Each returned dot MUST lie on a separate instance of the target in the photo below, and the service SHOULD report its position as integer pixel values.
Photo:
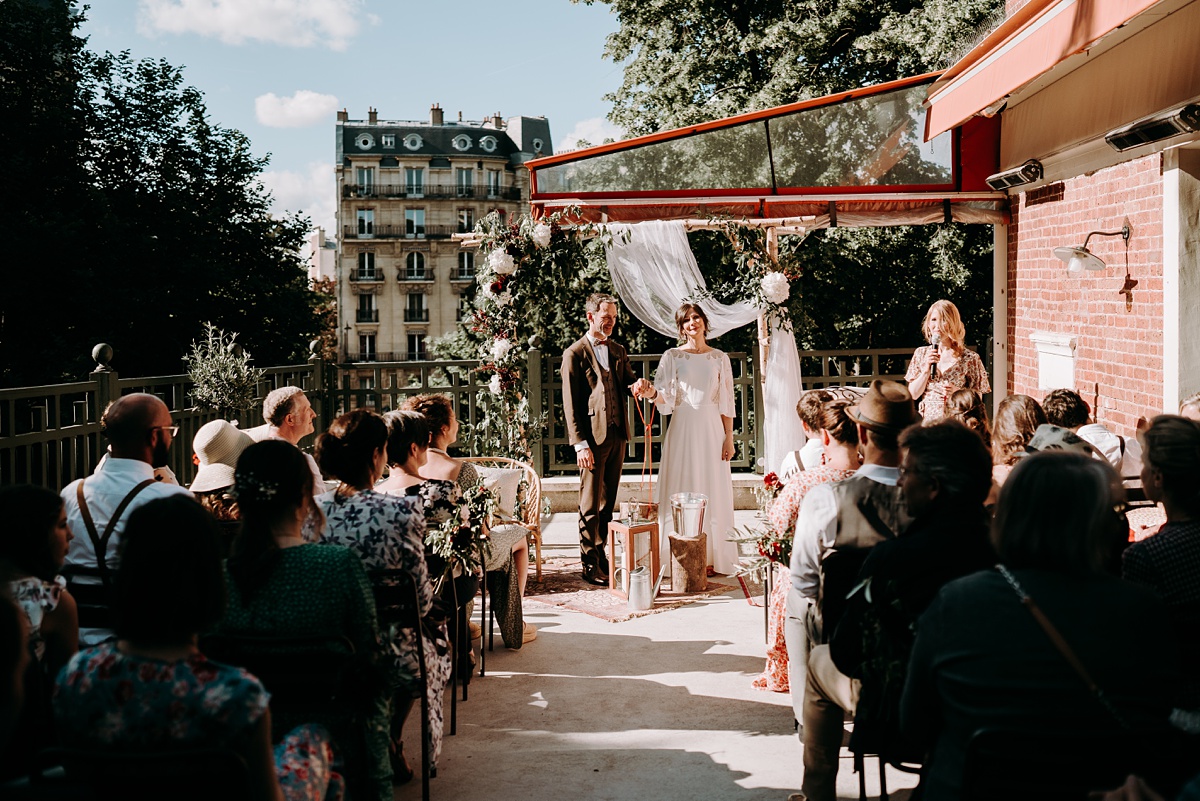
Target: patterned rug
(562, 585)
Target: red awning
(857, 157)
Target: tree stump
(689, 564)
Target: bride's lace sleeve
(725, 387)
(667, 384)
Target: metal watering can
(637, 586)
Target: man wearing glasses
(139, 431)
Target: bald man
(139, 431)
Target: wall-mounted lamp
(1027, 173)
(1153, 129)
(1080, 258)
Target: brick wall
(1119, 356)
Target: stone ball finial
(535, 341)
(103, 354)
(314, 347)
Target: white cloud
(595, 131)
(301, 110)
(311, 191)
(294, 23)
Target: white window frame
(414, 265)
(364, 141)
(366, 222)
(414, 188)
(388, 140)
(414, 223)
(466, 265)
(366, 263)
(488, 143)
(462, 142)
(413, 142)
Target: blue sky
(279, 69)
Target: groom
(596, 373)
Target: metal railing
(416, 315)
(50, 435)
(405, 275)
(366, 315)
(366, 275)
(399, 232)
(431, 191)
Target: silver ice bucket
(687, 514)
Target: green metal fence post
(534, 386)
(318, 394)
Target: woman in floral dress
(32, 546)
(387, 533)
(839, 436)
(957, 367)
(153, 688)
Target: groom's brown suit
(594, 407)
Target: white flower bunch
(494, 385)
(504, 298)
(500, 349)
(499, 262)
(541, 235)
(775, 287)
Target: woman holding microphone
(945, 365)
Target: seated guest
(14, 659)
(1189, 407)
(33, 543)
(217, 446)
(1017, 418)
(386, 533)
(838, 437)
(1167, 561)
(809, 409)
(153, 689)
(289, 416)
(967, 407)
(982, 660)
(1065, 408)
(279, 585)
(945, 476)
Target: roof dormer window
(488, 143)
(364, 141)
(461, 142)
(413, 142)
(388, 140)
(538, 144)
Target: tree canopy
(140, 218)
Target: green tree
(150, 220)
(688, 61)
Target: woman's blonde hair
(950, 321)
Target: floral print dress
(782, 517)
(388, 533)
(105, 699)
(966, 373)
(35, 598)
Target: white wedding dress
(696, 389)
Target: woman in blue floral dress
(387, 533)
(153, 688)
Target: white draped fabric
(653, 270)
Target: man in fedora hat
(836, 526)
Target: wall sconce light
(1080, 258)
(1027, 173)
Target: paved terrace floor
(657, 708)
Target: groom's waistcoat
(613, 406)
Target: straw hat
(218, 446)
(886, 406)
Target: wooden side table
(627, 533)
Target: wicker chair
(529, 500)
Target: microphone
(933, 368)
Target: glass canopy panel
(721, 159)
(869, 141)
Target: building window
(488, 143)
(414, 181)
(364, 177)
(364, 141)
(461, 142)
(366, 347)
(366, 266)
(414, 223)
(465, 180)
(416, 267)
(416, 311)
(366, 222)
(493, 183)
(416, 347)
(466, 221)
(367, 313)
(538, 145)
(463, 311)
(389, 140)
(413, 142)
(466, 265)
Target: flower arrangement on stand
(766, 493)
(522, 259)
(462, 539)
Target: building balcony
(416, 315)
(399, 232)
(462, 275)
(367, 315)
(366, 276)
(418, 356)
(431, 191)
(404, 275)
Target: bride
(694, 384)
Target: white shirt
(813, 453)
(265, 432)
(816, 527)
(104, 490)
(1105, 441)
